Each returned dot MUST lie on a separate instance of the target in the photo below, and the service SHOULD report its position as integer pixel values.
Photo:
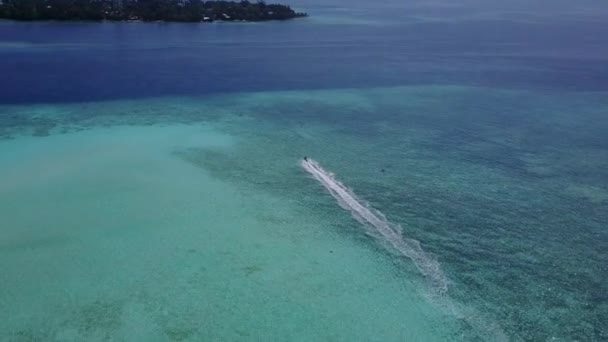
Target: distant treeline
(146, 10)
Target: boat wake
(377, 225)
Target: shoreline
(6, 20)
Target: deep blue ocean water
(478, 127)
(358, 45)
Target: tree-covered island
(145, 10)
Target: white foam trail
(377, 225)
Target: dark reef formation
(145, 10)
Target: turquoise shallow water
(121, 233)
(189, 218)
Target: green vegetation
(146, 10)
